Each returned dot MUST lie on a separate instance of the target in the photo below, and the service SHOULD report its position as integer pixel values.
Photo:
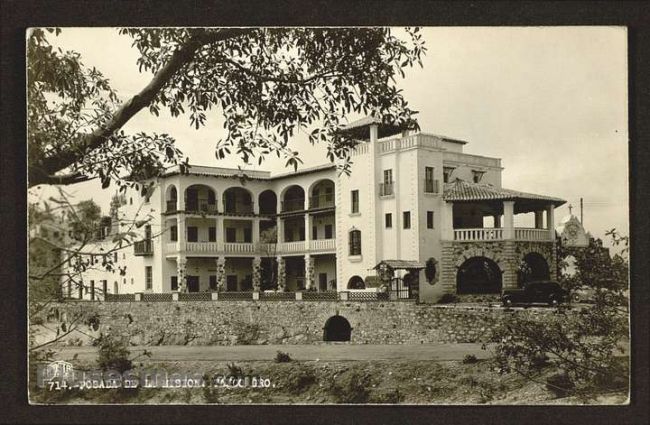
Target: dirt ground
(325, 382)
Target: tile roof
(401, 264)
(461, 190)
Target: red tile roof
(461, 190)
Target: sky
(550, 101)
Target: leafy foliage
(67, 102)
(583, 344)
(113, 354)
(271, 83)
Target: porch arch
(479, 275)
(337, 328)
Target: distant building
(411, 198)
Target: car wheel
(554, 301)
(576, 298)
(507, 301)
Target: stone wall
(285, 322)
(506, 254)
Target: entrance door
(192, 284)
(322, 282)
(231, 283)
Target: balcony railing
(497, 234)
(238, 207)
(322, 245)
(322, 201)
(207, 247)
(525, 234)
(297, 204)
(143, 248)
(201, 206)
(478, 234)
(297, 246)
(239, 248)
(431, 186)
(386, 188)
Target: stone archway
(533, 267)
(479, 275)
(356, 282)
(337, 328)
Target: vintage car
(546, 292)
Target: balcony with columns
(469, 204)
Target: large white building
(411, 200)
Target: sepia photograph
(371, 215)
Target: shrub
(448, 299)
(560, 384)
(352, 387)
(235, 371)
(298, 378)
(210, 392)
(470, 359)
(391, 396)
(113, 354)
(282, 357)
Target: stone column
(508, 219)
(307, 232)
(510, 265)
(256, 231)
(309, 272)
(539, 219)
(221, 273)
(550, 220)
(279, 229)
(181, 269)
(282, 274)
(257, 273)
(447, 221)
(221, 233)
(182, 239)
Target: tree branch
(178, 59)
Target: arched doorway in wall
(356, 282)
(533, 267)
(337, 328)
(478, 275)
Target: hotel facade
(417, 216)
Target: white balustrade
(171, 247)
(284, 247)
(527, 234)
(322, 245)
(201, 247)
(489, 234)
(239, 248)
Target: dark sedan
(546, 292)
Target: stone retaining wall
(284, 322)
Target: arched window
(355, 242)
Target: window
(192, 234)
(248, 234)
(446, 174)
(328, 231)
(123, 256)
(301, 234)
(212, 234)
(92, 290)
(314, 232)
(174, 283)
(429, 219)
(388, 176)
(147, 231)
(231, 234)
(105, 287)
(429, 181)
(288, 234)
(213, 282)
(115, 256)
(389, 220)
(355, 201)
(477, 175)
(406, 219)
(173, 233)
(355, 242)
(148, 276)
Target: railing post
(175, 296)
(138, 296)
(214, 296)
(344, 295)
(298, 296)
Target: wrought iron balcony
(431, 186)
(201, 206)
(322, 201)
(143, 248)
(238, 207)
(386, 189)
(297, 204)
